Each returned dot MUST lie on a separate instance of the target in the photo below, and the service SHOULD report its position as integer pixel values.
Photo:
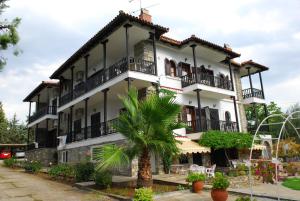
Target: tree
(148, 128)
(8, 33)
(3, 125)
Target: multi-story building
(133, 51)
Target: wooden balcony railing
(206, 125)
(107, 74)
(248, 93)
(42, 112)
(206, 79)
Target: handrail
(206, 79)
(208, 124)
(248, 93)
(96, 130)
(42, 112)
(105, 75)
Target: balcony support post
(28, 133)
(104, 52)
(38, 103)
(231, 74)
(86, 59)
(127, 26)
(85, 117)
(29, 112)
(236, 113)
(105, 110)
(152, 37)
(250, 80)
(60, 89)
(255, 114)
(261, 85)
(47, 132)
(71, 124)
(199, 108)
(72, 82)
(58, 124)
(36, 133)
(193, 46)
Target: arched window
(167, 66)
(227, 117)
(172, 68)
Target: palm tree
(148, 127)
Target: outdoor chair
(210, 172)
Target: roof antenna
(132, 12)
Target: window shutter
(167, 67)
(179, 69)
(184, 114)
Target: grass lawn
(292, 183)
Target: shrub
(266, 170)
(193, 177)
(10, 162)
(63, 170)
(226, 140)
(291, 170)
(84, 171)
(233, 173)
(242, 173)
(103, 178)
(220, 181)
(244, 198)
(143, 194)
(32, 166)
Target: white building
(132, 51)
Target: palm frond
(110, 157)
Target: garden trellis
(288, 124)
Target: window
(64, 156)
(227, 117)
(183, 159)
(167, 66)
(172, 68)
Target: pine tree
(3, 126)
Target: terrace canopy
(187, 146)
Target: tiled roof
(254, 64)
(40, 87)
(195, 39)
(104, 32)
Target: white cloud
(15, 85)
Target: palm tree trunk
(144, 170)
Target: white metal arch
(286, 119)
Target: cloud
(16, 84)
(52, 30)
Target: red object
(5, 155)
(197, 186)
(219, 194)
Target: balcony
(106, 75)
(210, 86)
(253, 96)
(50, 110)
(194, 126)
(92, 131)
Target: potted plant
(197, 180)
(219, 186)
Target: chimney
(145, 15)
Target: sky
(266, 31)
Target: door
(197, 159)
(191, 117)
(95, 124)
(185, 68)
(53, 108)
(214, 118)
(77, 129)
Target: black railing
(248, 93)
(206, 125)
(42, 112)
(206, 79)
(93, 131)
(107, 74)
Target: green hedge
(226, 140)
(62, 170)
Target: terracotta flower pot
(197, 186)
(219, 194)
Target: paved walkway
(16, 185)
